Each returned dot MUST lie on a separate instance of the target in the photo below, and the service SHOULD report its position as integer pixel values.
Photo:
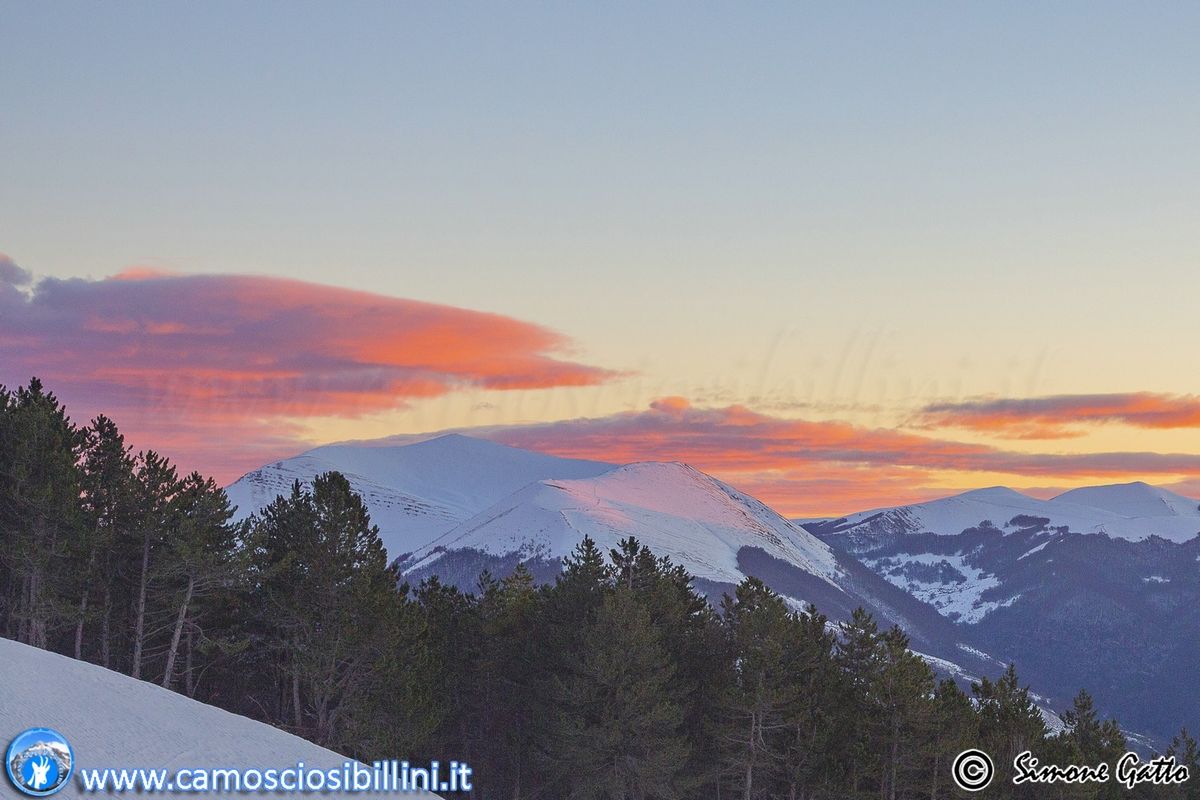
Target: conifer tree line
(618, 682)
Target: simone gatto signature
(1130, 771)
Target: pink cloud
(805, 467)
(207, 360)
(1063, 416)
(11, 275)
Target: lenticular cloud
(246, 357)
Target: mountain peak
(1136, 499)
(673, 508)
(415, 490)
(995, 494)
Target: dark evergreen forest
(618, 682)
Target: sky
(841, 255)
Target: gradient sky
(842, 255)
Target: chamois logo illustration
(41, 772)
(39, 762)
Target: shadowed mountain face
(1037, 584)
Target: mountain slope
(112, 720)
(678, 511)
(1136, 500)
(414, 492)
(720, 535)
(1127, 511)
(1037, 583)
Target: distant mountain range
(1132, 511)
(1096, 588)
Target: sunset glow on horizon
(840, 257)
(225, 373)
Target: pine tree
(451, 634)
(39, 511)
(905, 689)
(810, 757)
(757, 621)
(954, 729)
(158, 486)
(398, 706)
(325, 581)
(585, 577)
(1009, 724)
(204, 557)
(505, 684)
(1186, 752)
(1090, 741)
(110, 503)
(859, 655)
(617, 733)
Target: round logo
(39, 762)
(973, 770)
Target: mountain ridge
(1153, 511)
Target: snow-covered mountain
(1094, 588)
(112, 720)
(453, 506)
(1138, 501)
(987, 573)
(415, 492)
(1132, 511)
(676, 510)
(717, 533)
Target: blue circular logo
(39, 762)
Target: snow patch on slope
(959, 598)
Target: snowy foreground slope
(1132, 511)
(112, 720)
(415, 492)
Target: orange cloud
(1062, 416)
(234, 362)
(805, 467)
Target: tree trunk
(895, 759)
(83, 603)
(749, 788)
(23, 612)
(140, 624)
(175, 637)
(188, 679)
(296, 700)
(37, 623)
(106, 628)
